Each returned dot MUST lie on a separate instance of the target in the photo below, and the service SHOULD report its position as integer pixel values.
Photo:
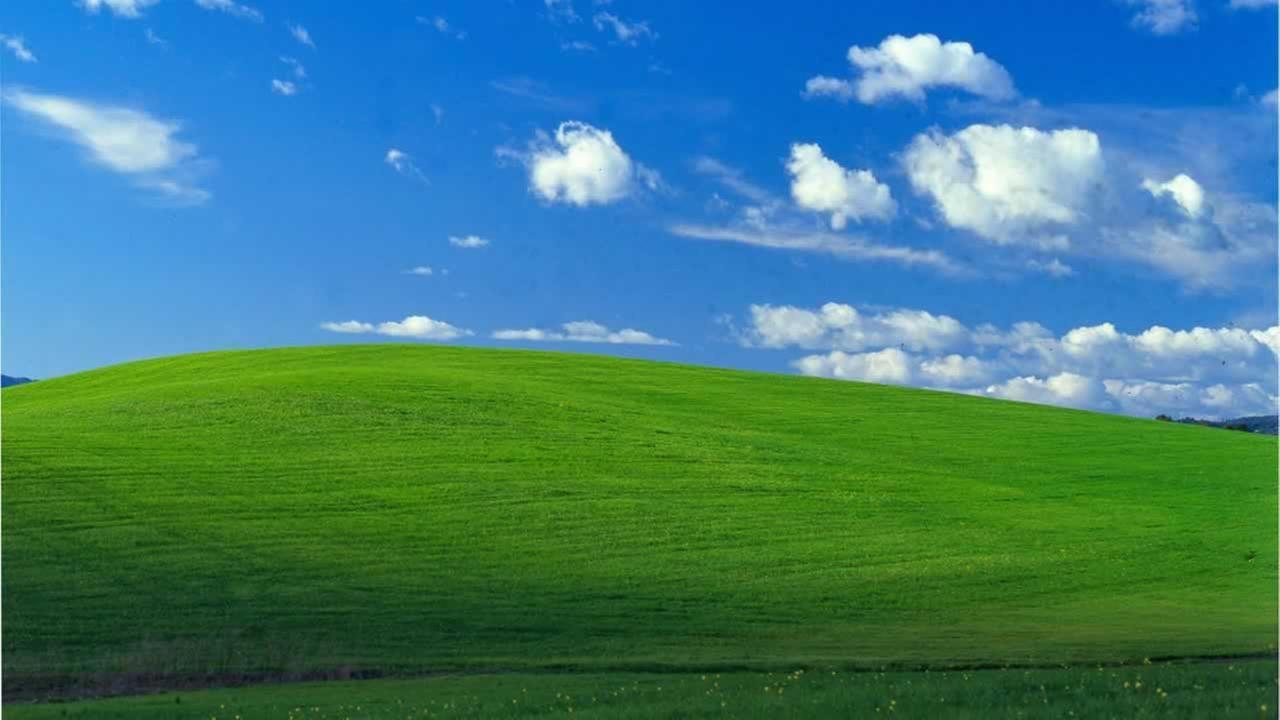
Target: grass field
(397, 509)
(1219, 690)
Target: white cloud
(442, 26)
(1185, 191)
(582, 165)
(422, 270)
(120, 8)
(578, 46)
(121, 139)
(908, 66)
(820, 184)
(421, 328)
(561, 10)
(1164, 17)
(1207, 372)
(300, 34)
(1053, 267)
(234, 9)
(468, 241)
(437, 112)
(418, 327)
(153, 38)
(1007, 184)
(284, 87)
(890, 365)
(403, 164)
(844, 247)
(1251, 4)
(299, 71)
(842, 327)
(1269, 99)
(584, 331)
(18, 47)
(348, 326)
(1066, 389)
(628, 33)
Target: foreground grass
(406, 509)
(1218, 690)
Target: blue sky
(1071, 203)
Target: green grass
(403, 509)
(1221, 690)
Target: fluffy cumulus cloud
(1182, 189)
(906, 67)
(820, 184)
(1165, 17)
(1005, 183)
(124, 140)
(120, 8)
(581, 165)
(284, 87)
(584, 331)
(417, 327)
(1205, 372)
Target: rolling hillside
(395, 509)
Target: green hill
(396, 509)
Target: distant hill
(385, 509)
(1265, 424)
(8, 380)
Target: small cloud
(584, 331)
(627, 33)
(578, 46)
(437, 112)
(582, 165)
(231, 8)
(284, 87)
(421, 270)
(469, 242)
(442, 26)
(1269, 99)
(1164, 17)
(154, 39)
(907, 67)
(120, 8)
(561, 11)
(1053, 268)
(349, 326)
(18, 47)
(417, 327)
(300, 34)
(403, 164)
(299, 71)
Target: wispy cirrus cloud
(584, 331)
(234, 9)
(18, 47)
(302, 35)
(124, 140)
(131, 9)
(468, 242)
(403, 164)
